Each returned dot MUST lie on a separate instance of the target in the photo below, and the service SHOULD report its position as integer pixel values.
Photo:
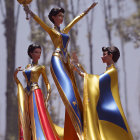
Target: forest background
(112, 22)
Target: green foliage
(129, 28)
(133, 27)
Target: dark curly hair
(31, 48)
(114, 51)
(54, 12)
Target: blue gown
(64, 78)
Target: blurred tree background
(117, 24)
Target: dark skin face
(107, 58)
(58, 19)
(36, 55)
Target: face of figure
(58, 19)
(107, 58)
(36, 54)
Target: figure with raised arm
(61, 70)
(34, 119)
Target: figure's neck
(57, 27)
(34, 63)
(109, 65)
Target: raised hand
(92, 6)
(26, 8)
(27, 11)
(16, 72)
(24, 1)
(74, 58)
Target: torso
(32, 74)
(60, 41)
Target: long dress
(104, 118)
(34, 119)
(64, 78)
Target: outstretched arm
(76, 19)
(76, 66)
(46, 82)
(37, 19)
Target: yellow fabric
(91, 96)
(95, 129)
(56, 38)
(38, 70)
(25, 103)
(23, 115)
(60, 131)
(54, 34)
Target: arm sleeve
(73, 22)
(79, 68)
(76, 19)
(42, 24)
(16, 80)
(46, 79)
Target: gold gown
(104, 118)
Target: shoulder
(112, 71)
(28, 66)
(43, 67)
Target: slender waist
(32, 86)
(58, 50)
(62, 54)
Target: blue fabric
(65, 39)
(28, 74)
(39, 132)
(66, 85)
(107, 108)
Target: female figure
(61, 71)
(104, 118)
(34, 119)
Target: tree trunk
(11, 112)
(108, 18)
(123, 59)
(91, 55)
(90, 23)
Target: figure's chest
(60, 39)
(32, 73)
(65, 39)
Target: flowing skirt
(104, 118)
(66, 85)
(34, 119)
